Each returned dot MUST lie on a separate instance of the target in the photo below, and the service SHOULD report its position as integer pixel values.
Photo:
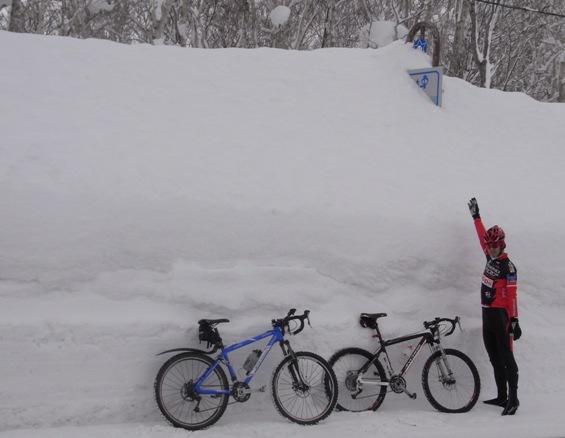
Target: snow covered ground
(143, 188)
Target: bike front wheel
(179, 403)
(346, 364)
(451, 381)
(304, 388)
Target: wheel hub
(301, 390)
(449, 383)
(187, 391)
(351, 381)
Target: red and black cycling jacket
(499, 283)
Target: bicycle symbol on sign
(423, 84)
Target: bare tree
(483, 25)
(17, 17)
(513, 45)
(160, 16)
(459, 48)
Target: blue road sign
(421, 44)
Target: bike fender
(193, 350)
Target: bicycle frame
(426, 338)
(449, 378)
(429, 337)
(275, 335)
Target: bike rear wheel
(457, 388)
(175, 395)
(304, 389)
(346, 364)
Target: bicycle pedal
(262, 389)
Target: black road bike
(450, 379)
(192, 389)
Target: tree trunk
(561, 80)
(328, 38)
(17, 17)
(301, 25)
(160, 19)
(481, 57)
(459, 50)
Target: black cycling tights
(499, 348)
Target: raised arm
(479, 227)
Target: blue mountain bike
(192, 389)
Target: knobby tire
(459, 392)
(178, 403)
(312, 403)
(346, 364)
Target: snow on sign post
(429, 80)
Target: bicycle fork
(298, 381)
(444, 371)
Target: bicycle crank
(398, 385)
(241, 391)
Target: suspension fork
(441, 361)
(293, 365)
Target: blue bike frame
(276, 336)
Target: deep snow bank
(144, 188)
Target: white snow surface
(381, 33)
(144, 188)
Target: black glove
(515, 329)
(474, 208)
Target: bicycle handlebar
(437, 321)
(284, 322)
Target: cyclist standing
(500, 312)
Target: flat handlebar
(284, 322)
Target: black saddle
(212, 321)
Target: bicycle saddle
(373, 316)
(212, 321)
